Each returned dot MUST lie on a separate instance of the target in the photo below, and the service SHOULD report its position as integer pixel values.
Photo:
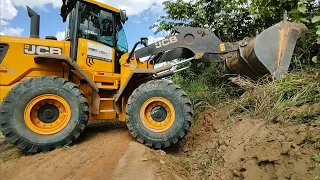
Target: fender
(136, 76)
(52, 58)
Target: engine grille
(3, 51)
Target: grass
(204, 86)
(295, 97)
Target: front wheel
(159, 114)
(43, 113)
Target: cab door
(96, 39)
(122, 45)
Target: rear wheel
(43, 113)
(159, 114)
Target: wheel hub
(158, 113)
(48, 113)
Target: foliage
(308, 47)
(230, 21)
(205, 86)
(294, 97)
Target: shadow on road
(96, 127)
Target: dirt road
(105, 151)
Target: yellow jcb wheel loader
(49, 89)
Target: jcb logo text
(166, 42)
(37, 50)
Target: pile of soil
(222, 147)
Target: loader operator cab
(88, 20)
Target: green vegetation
(295, 97)
(206, 85)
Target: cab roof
(105, 6)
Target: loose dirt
(220, 147)
(105, 151)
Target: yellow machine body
(17, 66)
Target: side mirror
(123, 16)
(144, 41)
(66, 8)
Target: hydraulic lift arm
(269, 53)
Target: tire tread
(12, 96)
(179, 93)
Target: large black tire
(12, 121)
(182, 107)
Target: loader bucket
(269, 54)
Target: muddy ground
(218, 147)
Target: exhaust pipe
(35, 23)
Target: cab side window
(122, 44)
(96, 24)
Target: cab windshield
(100, 25)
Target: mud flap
(95, 107)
